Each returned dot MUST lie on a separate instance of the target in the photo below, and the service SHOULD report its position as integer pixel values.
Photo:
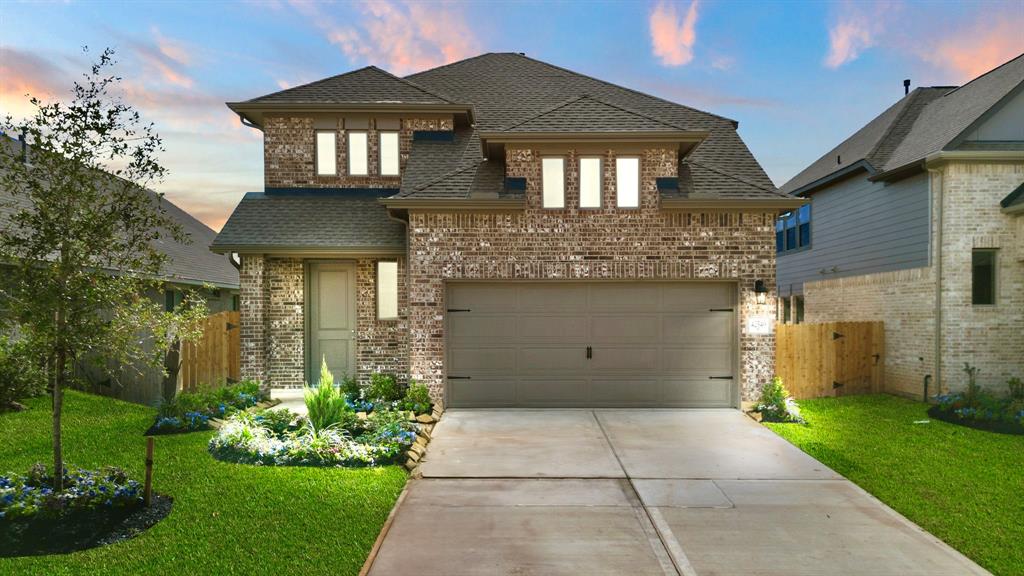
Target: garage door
(558, 344)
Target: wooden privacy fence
(831, 358)
(215, 357)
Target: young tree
(82, 233)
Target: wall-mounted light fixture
(761, 291)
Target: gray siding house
(915, 220)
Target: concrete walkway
(636, 492)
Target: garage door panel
(716, 360)
(554, 297)
(474, 361)
(625, 359)
(626, 392)
(495, 298)
(545, 392)
(545, 360)
(479, 328)
(697, 296)
(626, 297)
(482, 392)
(697, 328)
(560, 328)
(626, 329)
(698, 392)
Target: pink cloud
(857, 27)
(980, 46)
(403, 37)
(672, 37)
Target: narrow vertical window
(326, 153)
(787, 307)
(553, 182)
(627, 182)
(389, 153)
(804, 225)
(387, 290)
(590, 182)
(357, 151)
(799, 313)
(983, 277)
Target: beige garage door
(549, 344)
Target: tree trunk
(60, 373)
(172, 364)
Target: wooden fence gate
(831, 358)
(215, 357)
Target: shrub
(351, 388)
(325, 403)
(21, 374)
(389, 427)
(278, 421)
(30, 496)
(973, 389)
(1015, 387)
(776, 405)
(383, 388)
(189, 411)
(417, 398)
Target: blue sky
(798, 76)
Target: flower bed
(190, 411)
(776, 405)
(979, 408)
(94, 508)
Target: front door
(332, 319)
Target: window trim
(316, 152)
(600, 180)
(995, 277)
(377, 290)
(348, 151)
(543, 204)
(380, 152)
(639, 181)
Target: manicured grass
(964, 486)
(227, 518)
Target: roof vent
(906, 86)
(839, 159)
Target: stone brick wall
(904, 300)
(253, 318)
(286, 322)
(607, 243)
(289, 151)
(381, 345)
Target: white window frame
(619, 181)
(398, 154)
(387, 290)
(334, 153)
(600, 182)
(350, 156)
(546, 184)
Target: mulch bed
(987, 425)
(80, 531)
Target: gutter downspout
(935, 174)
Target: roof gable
(588, 114)
(369, 85)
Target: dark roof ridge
(371, 67)
(449, 64)
(737, 178)
(415, 85)
(905, 110)
(973, 80)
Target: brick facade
(289, 151)
(381, 345)
(989, 337)
(570, 243)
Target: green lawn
(964, 486)
(227, 518)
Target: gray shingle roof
(317, 219)
(369, 85)
(588, 114)
(925, 121)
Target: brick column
(253, 304)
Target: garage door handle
(460, 377)
(590, 352)
(719, 377)
(719, 309)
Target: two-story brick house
(916, 220)
(510, 233)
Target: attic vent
(515, 184)
(667, 184)
(839, 159)
(433, 136)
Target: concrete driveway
(690, 492)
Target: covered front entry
(600, 343)
(331, 314)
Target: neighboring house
(190, 266)
(916, 220)
(509, 233)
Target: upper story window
(553, 182)
(590, 182)
(627, 182)
(389, 153)
(358, 162)
(983, 277)
(326, 153)
(793, 230)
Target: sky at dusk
(798, 76)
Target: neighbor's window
(553, 182)
(389, 153)
(357, 154)
(590, 182)
(786, 310)
(799, 312)
(387, 290)
(627, 182)
(793, 230)
(326, 153)
(983, 277)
